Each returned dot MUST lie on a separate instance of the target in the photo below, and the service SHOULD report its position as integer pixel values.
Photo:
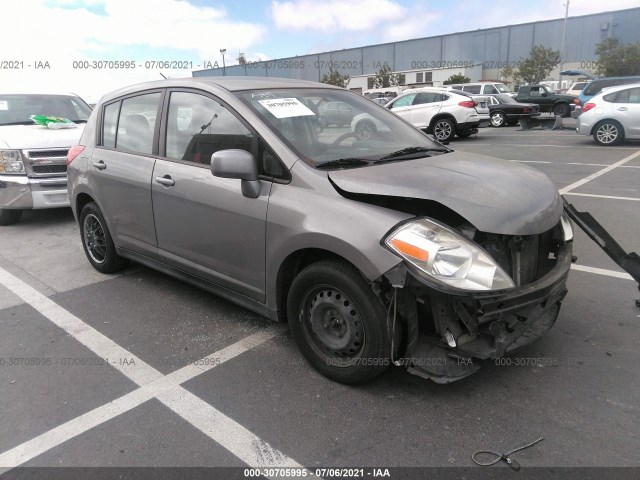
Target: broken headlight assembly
(442, 255)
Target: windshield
(16, 109)
(331, 128)
(502, 88)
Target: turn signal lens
(410, 250)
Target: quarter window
(198, 126)
(109, 125)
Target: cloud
(335, 15)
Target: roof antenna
(162, 75)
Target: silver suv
(392, 249)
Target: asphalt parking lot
(139, 369)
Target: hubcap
(334, 323)
(497, 120)
(364, 131)
(94, 238)
(607, 133)
(442, 130)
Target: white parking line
(222, 429)
(603, 196)
(599, 173)
(601, 271)
(537, 145)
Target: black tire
(562, 109)
(364, 130)
(608, 132)
(338, 322)
(9, 217)
(97, 242)
(498, 119)
(443, 129)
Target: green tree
(457, 78)
(511, 73)
(386, 78)
(242, 60)
(615, 59)
(334, 77)
(540, 62)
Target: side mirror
(240, 164)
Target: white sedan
(612, 115)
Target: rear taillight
(74, 152)
(468, 104)
(526, 110)
(588, 107)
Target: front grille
(45, 169)
(61, 152)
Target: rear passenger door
(425, 106)
(121, 168)
(626, 108)
(204, 225)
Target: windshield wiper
(344, 162)
(411, 151)
(23, 122)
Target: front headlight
(11, 162)
(567, 229)
(447, 257)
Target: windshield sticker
(4, 105)
(286, 107)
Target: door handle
(623, 109)
(100, 165)
(167, 181)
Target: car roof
(232, 84)
(607, 90)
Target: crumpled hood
(496, 196)
(37, 136)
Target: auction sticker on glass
(286, 107)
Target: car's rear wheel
(608, 132)
(444, 129)
(498, 119)
(97, 242)
(8, 217)
(365, 130)
(562, 109)
(338, 322)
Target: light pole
(224, 67)
(564, 32)
(244, 63)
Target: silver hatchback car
(390, 249)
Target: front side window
(198, 126)
(404, 101)
(136, 123)
(474, 89)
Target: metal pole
(224, 67)
(564, 32)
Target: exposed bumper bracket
(629, 262)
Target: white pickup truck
(33, 168)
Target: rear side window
(471, 88)
(490, 89)
(631, 95)
(136, 123)
(428, 97)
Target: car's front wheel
(8, 217)
(498, 119)
(364, 130)
(608, 132)
(444, 130)
(338, 322)
(97, 242)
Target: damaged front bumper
(475, 325)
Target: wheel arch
(611, 120)
(440, 116)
